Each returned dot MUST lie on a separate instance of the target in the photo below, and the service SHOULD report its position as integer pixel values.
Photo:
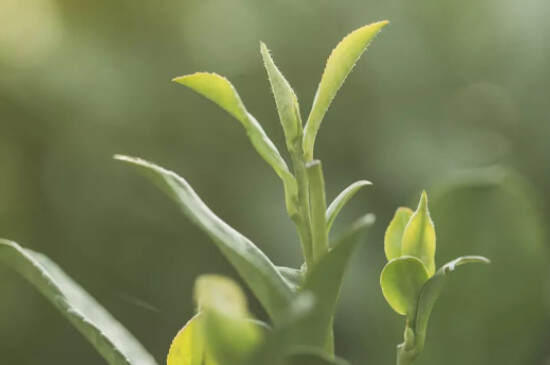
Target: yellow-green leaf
(230, 336)
(339, 65)
(188, 346)
(394, 232)
(218, 89)
(419, 236)
(286, 101)
(340, 201)
(401, 281)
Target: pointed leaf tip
(339, 64)
(419, 238)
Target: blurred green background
(451, 97)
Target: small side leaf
(419, 236)
(341, 200)
(286, 101)
(431, 291)
(294, 277)
(218, 89)
(229, 334)
(402, 280)
(250, 262)
(339, 65)
(394, 233)
(105, 333)
(324, 281)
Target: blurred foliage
(448, 87)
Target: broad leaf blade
(394, 233)
(431, 291)
(286, 101)
(324, 282)
(99, 327)
(218, 89)
(250, 262)
(339, 65)
(419, 236)
(402, 280)
(341, 200)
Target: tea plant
(301, 301)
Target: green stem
(318, 208)
(407, 351)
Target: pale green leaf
(250, 262)
(286, 101)
(339, 65)
(99, 327)
(394, 233)
(431, 291)
(318, 207)
(218, 89)
(229, 335)
(419, 236)
(324, 282)
(401, 281)
(341, 200)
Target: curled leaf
(431, 291)
(394, 233)
(340, 201)
(402, 280)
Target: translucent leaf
(394, 232)
(228, 333)
(188, 346)
(218, 89)
(339, 65)
(431, 291)
(340, 201)
(285, 99)
(419, 236)
(401, 281)
(324, 282)
(250, 262)
(318, 207)
(98, 326)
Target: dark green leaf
(252, 264)
(98, 326)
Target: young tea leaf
(341, 200)
(99, 327)
(250, 262)
(188, 346)
(394, 233)
(229, 334)
(339, 65)
(218, 89)
(419, 236)
(431, 291)
(401, 281)
(286, 101)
